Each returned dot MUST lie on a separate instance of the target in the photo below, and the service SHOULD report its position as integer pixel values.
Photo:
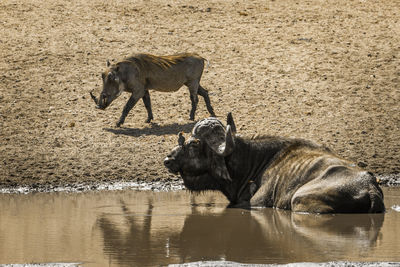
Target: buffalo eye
(194, 143)
(193, 148)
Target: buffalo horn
(229, 121)
(227, 147)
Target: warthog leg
(128, 106)
(195, 100)
(147, 104)
(196, 89)
(204, 93)
(193, 89)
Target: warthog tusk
(94, 98)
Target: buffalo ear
(218, 168)
(181, 139)
(229, 121)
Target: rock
(362, 164)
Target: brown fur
(165, 62)
(143, 72)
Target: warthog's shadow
(154, 129)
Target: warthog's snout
(99, 107)
(101, 103)
(96, 101)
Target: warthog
(270, 171)
(142, 72)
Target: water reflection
(130, 228)
(133, 243)
(262, 235)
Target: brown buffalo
(270, 171)
(143, 72)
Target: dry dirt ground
(328, 71)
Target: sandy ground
(328, 71)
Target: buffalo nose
(167, 162)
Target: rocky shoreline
(389, 179)
(169, 184)
(157, 185)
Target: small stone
(362, 164)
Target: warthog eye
(112, 76)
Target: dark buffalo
(270, 171)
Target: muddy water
(143, 228)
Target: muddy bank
(234, 264)
(389, 180)
(299, 264)
(325, 71)
(157, 185)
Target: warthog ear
(181, 139)
(229, 121)
(108, 64)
